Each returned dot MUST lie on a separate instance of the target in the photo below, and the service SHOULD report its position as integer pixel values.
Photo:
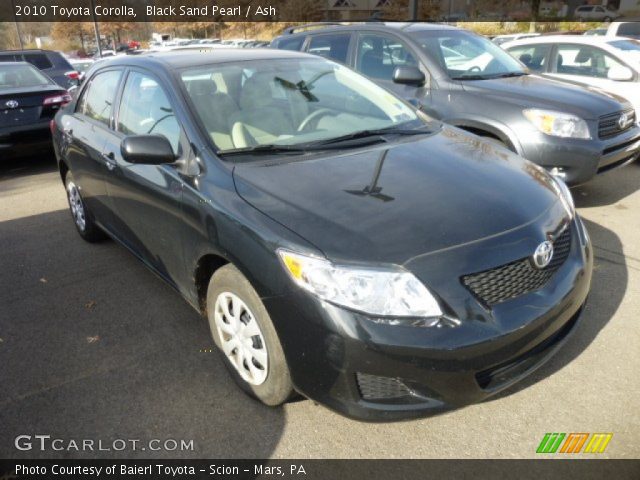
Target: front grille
(374, 387)
(519, 277)
(608, 124)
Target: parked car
(81, 65)
(610, 63)
(53, 64)
(500, 39)
(28, 102)
(598, 32)
(245, 181)
(595, 13)
(464, 79)
(624, 29)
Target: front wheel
(243, 332)
(82, 218)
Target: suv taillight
(58, 99)
(72, 75)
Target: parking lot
(94, 346)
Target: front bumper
(25, 140)
(376, 372)
(580, 160)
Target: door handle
(110, 160)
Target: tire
(82, 218)
(246, 337)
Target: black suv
(53, 64)
(463, 79)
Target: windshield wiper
(375, 135)
(269, 148)
(470, 77)
(512, 74)
(380, 133)
(489, 77)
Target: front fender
(497, 129)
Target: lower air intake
(373, 387)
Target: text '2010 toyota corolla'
(341, 244)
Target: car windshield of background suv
(289, 102)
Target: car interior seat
(215, 108)
(372, 63)
(260, 120)
(526, 58)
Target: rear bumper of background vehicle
(580, 160)
(25, 140)
(376, 372)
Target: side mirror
(408, 76)
(147, 149)
(620, 73)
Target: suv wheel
(246, 337)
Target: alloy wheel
(76, 205)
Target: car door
(377, 56)
(85, 133)
(589, 65)
(146, 199)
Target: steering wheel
(475, 68)
(313, 116)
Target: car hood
(390, 203)
(532, 91)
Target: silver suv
(464, 79)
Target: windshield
(81, 66)
(20, 76)
(289, 102)
(466, 56)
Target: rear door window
(97, 100)
(584, 60)
(334, 46)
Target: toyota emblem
(11, 104)
(543, 254)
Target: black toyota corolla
(341, 244)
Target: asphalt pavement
(93, 346)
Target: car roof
(16, 63)
(176, 59)
(382, 26)
(583, 39)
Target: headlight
(381, 292)
(565, 195)
(558, 124)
